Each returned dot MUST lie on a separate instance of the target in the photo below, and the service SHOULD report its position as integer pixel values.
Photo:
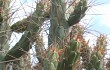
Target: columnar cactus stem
(4, 28)
(78, 13)
(96, 59)
(35, 22)
(4, 23)
(58, 23)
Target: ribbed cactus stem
(58, 23)
(51, 60)
(70, 56)
(4, 29)
(28, 37)
(96, 59)
(78, 13)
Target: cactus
(66, 51)
(4, 24)
(108, 64)
(58, 23)
(85, 53)
(51, 60)
(96, 58)
(58, 59)
(79, 12)
(24, 44)
(25, 24)
(70, 56)
(4, 29)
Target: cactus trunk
(58, 24)
(4, 29)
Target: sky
(99, 16)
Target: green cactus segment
(1, 9)
(59, 31)
(23, 45)
(1, 3)
(78, 13)
(20, 26)
(25, 24)
(1, 59)
(1, 19)
(51, 62)
(4, 26)
(73, 45)
(46, 64)
(95, 62)
(58, 24)
(20, 48)
(62, 64)
(27, 39)
(96, 58)
(70, 56)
